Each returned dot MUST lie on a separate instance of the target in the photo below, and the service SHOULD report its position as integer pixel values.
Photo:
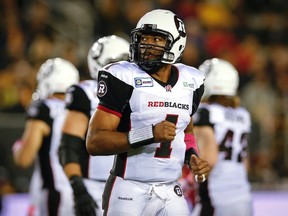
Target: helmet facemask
(150, 57)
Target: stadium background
(251, 34)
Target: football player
(221, 128)
(145, 117)
(88, 174)
(41, 138)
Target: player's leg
(123, 197)
(166, 199)
(176, 204)
(241, 208)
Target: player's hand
(200, 168)
(164, 131)
(84, 203)
(16, 147)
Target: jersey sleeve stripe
(105, 109)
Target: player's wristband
(188, 154)
(190, 142)
(141, 136)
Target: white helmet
(106, 50)
(55, 75)
(221, 77)
(164, 23)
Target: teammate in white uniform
(34, 191)
(88, 174)
(144, 116)
(221, 128)
(41, 138)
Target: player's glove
(84, 203)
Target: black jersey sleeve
(76, 99)
(201, 118)
(39, 111)
(113, 93)
(197, 98)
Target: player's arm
(25, 150)
(72, 145)
(206, 143)
(205, 136)
(73, 135)
(104, 139)
(191, 144)
(246, 163)
(198, 165)
(70, 150)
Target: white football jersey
(56, 196)
(228, 181)
(82, 97)
(140, 100)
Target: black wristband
(188, 154)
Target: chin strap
(151, 67)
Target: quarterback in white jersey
(88, 174)
(144, 116)
(41, 139)
(221, 128)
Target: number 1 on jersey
(165, 149)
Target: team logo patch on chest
(143, 82)
(178, 191)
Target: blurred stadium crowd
(251, 34)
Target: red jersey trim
(105, 109)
